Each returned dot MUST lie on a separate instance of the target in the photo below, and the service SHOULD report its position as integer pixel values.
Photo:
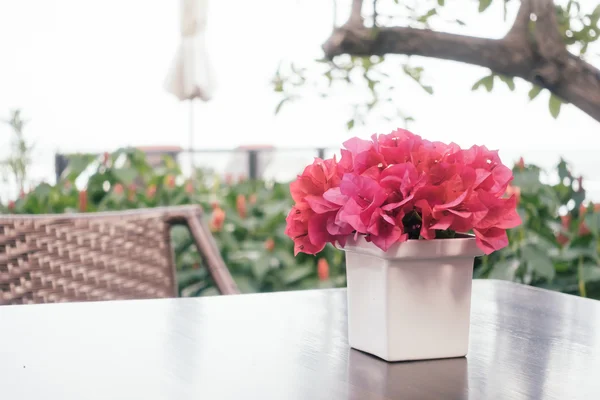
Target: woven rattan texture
(60, 258)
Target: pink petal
(490, 240)
(319, 205)
(335, 196)
(356, 145)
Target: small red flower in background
(269, 244)
(11, 205)
(214, 204)
(105, 158)
(189, 187)
(218, 219)
(151, 191)
(323, 269)
(22, 194)
(583, 208)
(521, 164)
(170, 181)
(583, 229)
(240, 203)
(514, 190)
(83, 201)
(565, 222)
(400, 186)
(131, 190)
(562, 239)
(118, 189)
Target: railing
(280, 164)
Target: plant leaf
(510, 82)
(539, 262)
(535, 90)
(505, 270)
(484, 4)
(487, 82)
(554, 105)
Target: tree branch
(356, 18)
(537, 55)
(547, 37)
(497, 55)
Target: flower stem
(582, 291)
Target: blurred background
(96, 92)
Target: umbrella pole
(191, 138)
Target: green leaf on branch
(509, 81)
(484, 4)
(350, 124)
(535, 90)
(281, 103)
(554, 105)
(425, 17)
(441, 3)
(487, 82)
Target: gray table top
(525, 343)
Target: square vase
(412, 302)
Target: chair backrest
(99, 256)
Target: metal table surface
(525, 343)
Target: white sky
(89, 75)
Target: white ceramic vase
(412, 302)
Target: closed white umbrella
(191, 76)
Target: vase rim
(464, 246)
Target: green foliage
(484, 4)
(547, 250)
(554, 105)
(251, 239)
(557, 246)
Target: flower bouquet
(403, 207)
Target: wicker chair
(99, 256)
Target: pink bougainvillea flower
(491, 239)
(502, 213)
(364, 155)
(400, 186)
(297, 229)
(315, 179)
(401, 178)
(427, 221)
(384, 231)
(364, 196)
